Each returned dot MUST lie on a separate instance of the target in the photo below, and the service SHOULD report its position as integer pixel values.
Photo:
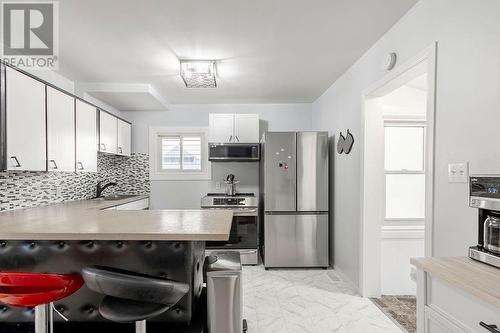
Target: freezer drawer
(296, 240)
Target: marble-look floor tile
(307, 300)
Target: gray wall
(187, 194)
(467, 116)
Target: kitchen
(235, 142)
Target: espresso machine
(484, 194)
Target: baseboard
(345, 279)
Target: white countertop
(474, 277)
(86, 220)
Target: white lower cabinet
(86, 137)
(60, 131)
(25, 113)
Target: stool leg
(42, 318)
(140, 326)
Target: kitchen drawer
(135, 205)
(436, 322)
(460, 307)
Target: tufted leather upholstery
(179, 261)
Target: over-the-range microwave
(233, 152)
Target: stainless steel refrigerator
(294, 195)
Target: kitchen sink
(116, 197)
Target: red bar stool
(37, 290)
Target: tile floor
(402, 309)
(307, 301)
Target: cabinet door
(124, 138)
(26, 137)
(246, 128)
(221, 127)
(86, 137)
(60, 131)
(108, 133)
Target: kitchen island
(457, 294)
(67, 237)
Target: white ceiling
(267, 51)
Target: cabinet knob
(230, 138)
(79, 165)
(54, 167)
(120, 150)
(491, 328)
(103, 146)
(17, 165)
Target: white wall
(173, 194)
(467, 116)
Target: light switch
(458, 172)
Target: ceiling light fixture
(199, 73)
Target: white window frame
(407, 122)
(156, 173)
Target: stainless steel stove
(244, 235)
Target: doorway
(397, 176)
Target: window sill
(180, 176)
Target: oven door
(244, 232)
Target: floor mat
(401, 309)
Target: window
(179, 153)
(405, 171)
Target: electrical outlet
(217, 185)
(458, 172)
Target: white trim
(403, 232)
(343, 276)
(423, 62)
(156, 174)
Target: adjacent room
(249, 166)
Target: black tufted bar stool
(132, 297)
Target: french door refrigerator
(294, 193)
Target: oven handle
(249, 212)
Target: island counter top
(88, 220)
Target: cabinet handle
(237, 138)
(80, 165)
(103, 146)
(55, 164)
(230, 138)
(18, 165)
(491, 328)
(120, 150)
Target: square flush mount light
(198, 73)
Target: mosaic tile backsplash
(30, 189)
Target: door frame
(370, 235)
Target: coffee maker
(484, 194)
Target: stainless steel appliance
(244, 235)
(484, 194)
(233, 152)
(294, 192)
(224, 293)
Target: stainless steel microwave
(233, 152)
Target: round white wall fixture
(392, 58)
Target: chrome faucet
(100, 188)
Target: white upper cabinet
(60, 131)
(86, 137)
(221, 127)
(246, 128)
(26, 136)
(124, 138)
(108, 133)
(228, 127)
